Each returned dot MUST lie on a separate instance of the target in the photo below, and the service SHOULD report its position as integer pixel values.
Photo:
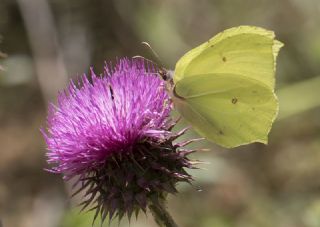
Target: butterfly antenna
(153, 52)
(146, 59)
(162, 71)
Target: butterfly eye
(163, 74)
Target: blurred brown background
(50, 41)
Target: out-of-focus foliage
(50, 41)
(299, 97)
(2, 55)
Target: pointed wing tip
(277, 45)
(265, 141)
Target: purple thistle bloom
(113, 134)
(105, 117)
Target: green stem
(161, 215)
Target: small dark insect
(234, 100)
(221, 132)
(111, 92)
(224, 59)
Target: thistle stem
(161, 215)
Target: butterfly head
(166, 74)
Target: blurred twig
(39, 23)
(2, 55)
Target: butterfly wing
(227, 109)
(225, 87)
(245, 50)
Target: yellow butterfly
(225, 87)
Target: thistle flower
(114, 136)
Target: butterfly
(224, 88)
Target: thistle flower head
(113, 133)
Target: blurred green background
(50, 41)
